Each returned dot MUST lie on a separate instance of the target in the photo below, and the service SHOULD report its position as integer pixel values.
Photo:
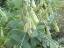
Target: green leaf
(17, 3)
(40, 35)
(44, 43)
(51, 45)
(34, 42)
(26, 45)
(33, 47)
(10, 42)
(26, 38)
(35, 33)
(21, 23)
(41, 27)
(13, 23)
(17, 35)
(3, 19)
(51, 40)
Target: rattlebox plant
(28, 24)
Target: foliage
(28, 23)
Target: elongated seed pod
(56, 27)
(47, 17)
(29, 23)
(37, 8)
(25, 28)
(48, 32)
(33, 16)
(50, 10)
(33, 26)
(33, 4)
(2, 34)
(30, 33)
(44, 4)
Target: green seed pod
(33, 26)
(48, 32)
(47, 17)
(29, 23)
(50, 10)
(43, 11)
(26, 27)
(33, 4)
(44, 4)
(56, 27)
(30, 33)
(38, 7)
(34, 17)
(1, 32)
